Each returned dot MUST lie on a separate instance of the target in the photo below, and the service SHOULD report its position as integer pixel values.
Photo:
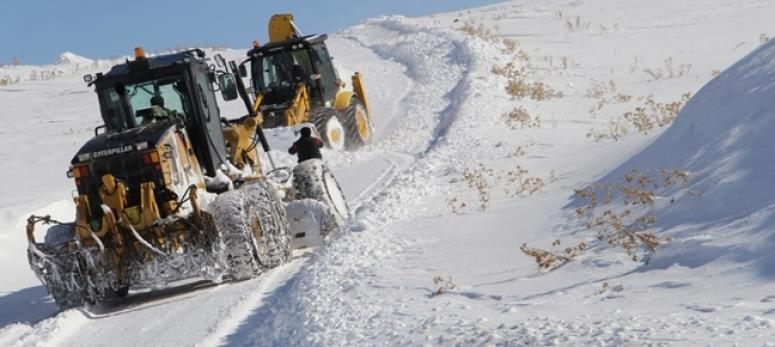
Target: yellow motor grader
(295, 82)
(169, 190)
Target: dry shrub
(510, 46)
(576, 24)
(520, 118)
(476, 179)
(628, 225)
(9, 80)
(479, 31)
(615, 129)
(482, 180)
(442, 285)
(599, 89)
(519, 88)
(669, 70)
(764, 38)
(618, 288)
(549, 260)
(643, 119)
(509, 71)
(524, 185)
(621, 214)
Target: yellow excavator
(295, 81)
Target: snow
(70, 58)
(417, 267)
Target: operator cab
(279, 67)
(142, 98)
(155, 100)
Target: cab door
(329, 79)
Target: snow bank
(72, 58)
(723, 137)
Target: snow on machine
(169, 190)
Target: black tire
(358, 125)
(121, 292)
(313, 180)
(254, 229)
(329, 125)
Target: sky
(37, 31)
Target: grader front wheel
(254, 228)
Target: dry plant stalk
(520, 118)
(509, 46)
(625, 227)
(549, 260)
(669, 71)
(519, 87)
(482, 180)
(443, 285)
(651, 115)
(477, 180)
(479, 30)
(525, 185)
(600, 89)
(612, 288)
(576, 24)
(458, 206)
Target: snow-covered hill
(454, 185)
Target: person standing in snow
(307, 147)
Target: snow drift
(724, 138)
(72, 58)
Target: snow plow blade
(89, 270)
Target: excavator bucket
(281, 28)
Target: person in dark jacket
(307, 147)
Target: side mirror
(228, 86)
(243, 71)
